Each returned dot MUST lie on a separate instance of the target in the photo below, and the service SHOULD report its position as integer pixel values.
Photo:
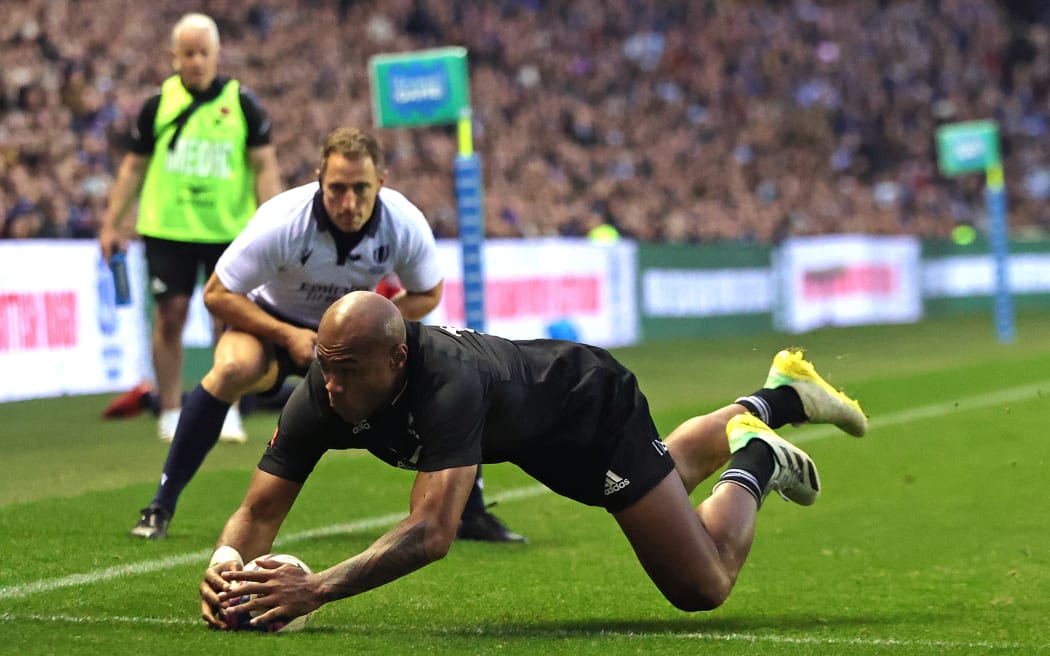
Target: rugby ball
(240, 621)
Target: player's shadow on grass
(691, 624)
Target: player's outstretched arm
(251, 529)
(248, 533)
(421, 538)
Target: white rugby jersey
(287, 258)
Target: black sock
(197, 432)
(751, 468)
(476, 500)
(775, 407)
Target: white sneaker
(822, 403)
(795, 475)
(232, 428)
(169, 419)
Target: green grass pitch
(930, 538)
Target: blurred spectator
(682, 120)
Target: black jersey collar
(397, 397)
(345, 241)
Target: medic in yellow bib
(199, 161)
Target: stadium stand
(681, 121)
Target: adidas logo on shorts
(614, 483)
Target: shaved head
(362, 350)
(360, 319)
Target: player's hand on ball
(272, 592)
(210, 588)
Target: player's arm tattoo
(389, 558)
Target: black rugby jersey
(469, 398)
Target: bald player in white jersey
(303, 250)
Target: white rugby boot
(795, 475)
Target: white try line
(930, 646)
(938, 410)
(1011, 395)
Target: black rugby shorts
(610, 457)
(174, 266)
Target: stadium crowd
(674, 120)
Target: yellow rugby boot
(822, 403)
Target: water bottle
(118, 264)
(112, 353)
